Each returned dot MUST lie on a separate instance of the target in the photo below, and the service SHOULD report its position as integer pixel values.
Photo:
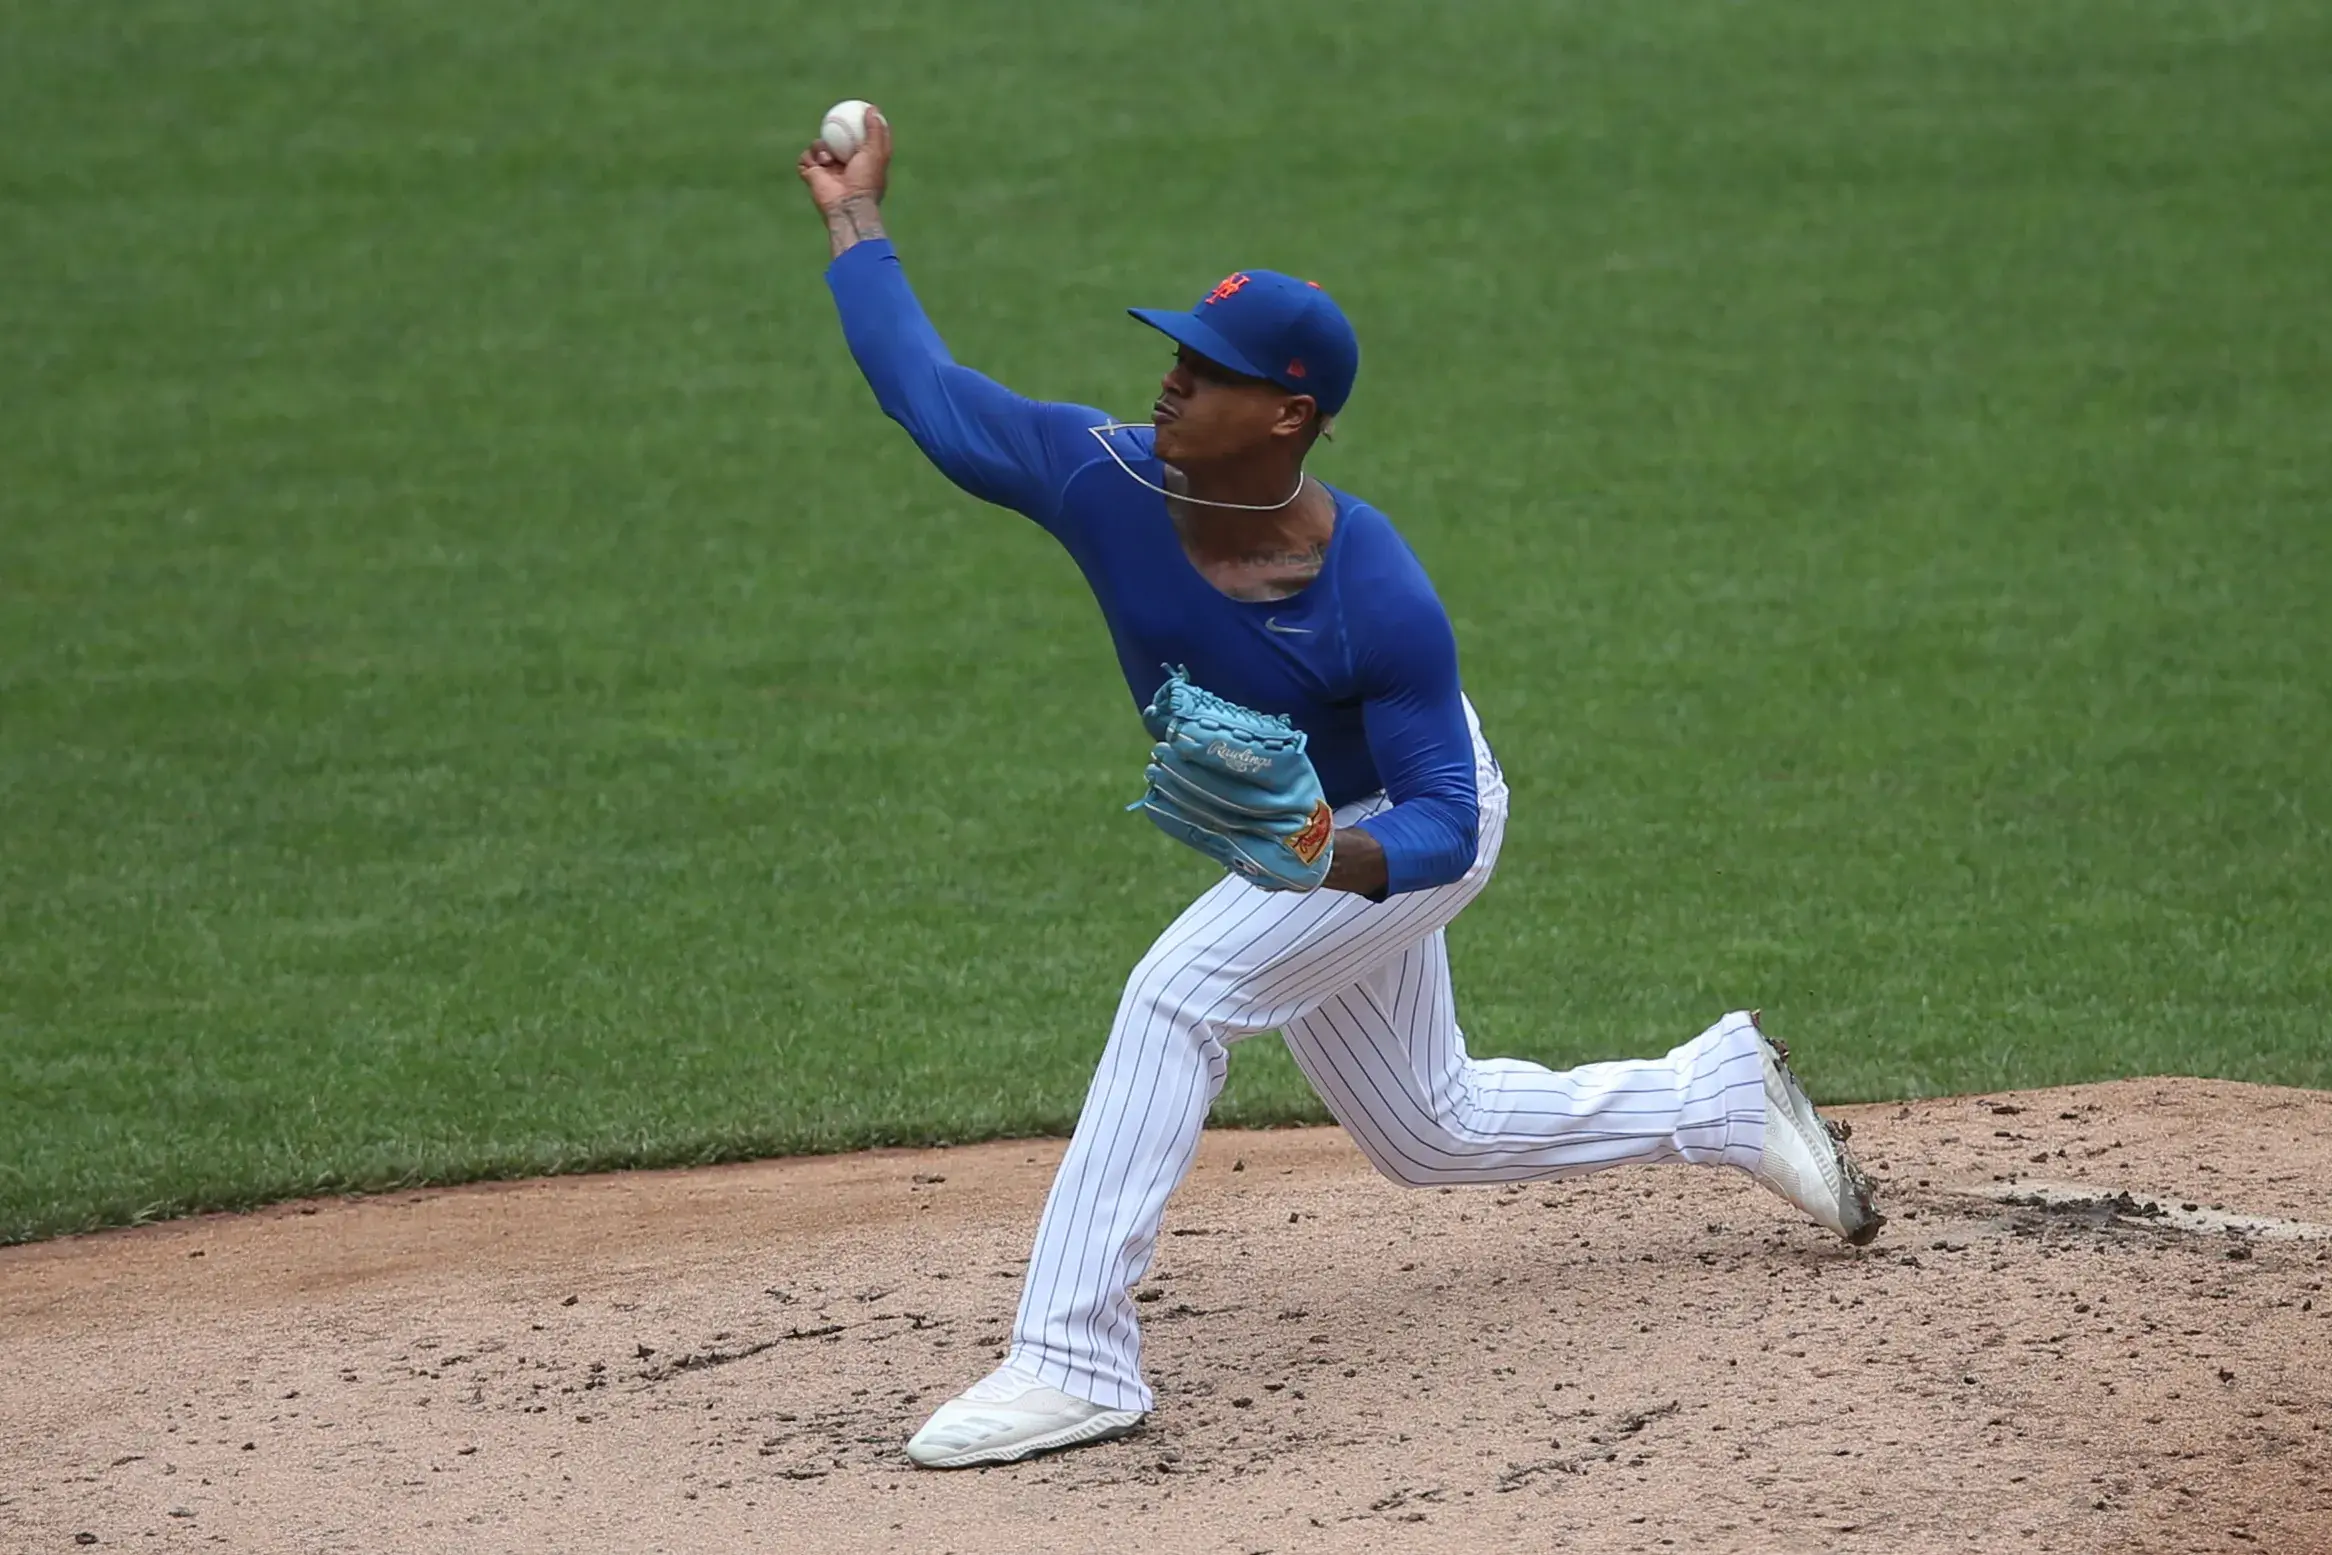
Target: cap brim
(1189, 330)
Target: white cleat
(1805, 1158)
(1008, 1415)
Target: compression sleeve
(1415, 719)
(1002, 448)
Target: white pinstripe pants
(1361, 992)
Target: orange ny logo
(1226, 286)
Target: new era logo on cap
(1269, 325)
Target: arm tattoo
(852, 221)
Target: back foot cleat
(1806, 1160)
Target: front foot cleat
(1007, 1416)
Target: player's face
(1206, 413)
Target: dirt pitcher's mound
(2097, 1322)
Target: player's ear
(1298, 414)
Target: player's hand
(831, 180)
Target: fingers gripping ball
(1236, 785)
(845, 128)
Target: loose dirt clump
(2097, 1322)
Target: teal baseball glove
(1236, 785)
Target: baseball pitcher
(1298, 678)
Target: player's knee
(1155, 1010)
(1180, 965)
(1407, 1174)
(1431, 1149)
(1397, 1167)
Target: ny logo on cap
(1225, 287)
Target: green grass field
(483, 691)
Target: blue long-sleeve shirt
(1363, 660)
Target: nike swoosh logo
(1271, 624)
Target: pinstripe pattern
(1361, 991)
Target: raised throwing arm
(997, 445)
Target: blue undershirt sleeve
(1001, 447)
(1415, 719)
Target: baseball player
(1300, 680)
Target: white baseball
(845, 128)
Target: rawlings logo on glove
(1236, 785)
(1245, 763)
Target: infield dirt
(729, 1359)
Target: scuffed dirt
(1643, 1361)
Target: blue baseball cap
(1269, 325)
